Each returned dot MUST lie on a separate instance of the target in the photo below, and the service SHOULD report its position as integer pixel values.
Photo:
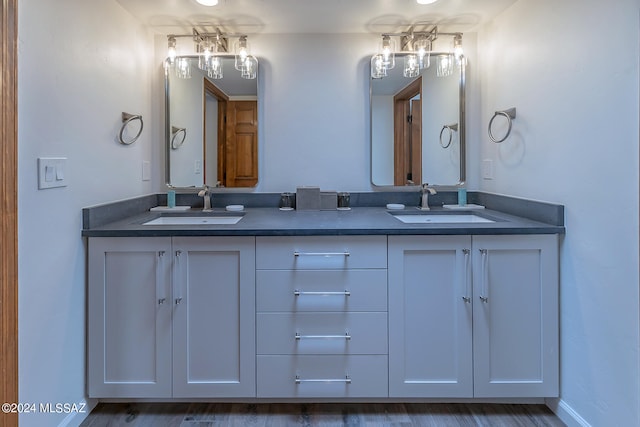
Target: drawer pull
(323, 254)
(346, 380)
(321, 293)
(346, 336)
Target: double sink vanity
(360, 304)
(364, 304)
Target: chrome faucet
(425, 190)
(206, 194)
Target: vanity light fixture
(171, 50)
(444, 65)
(411, 65)
(418, 46)
(207, 47)
(246, 63)
(183, 69)
(378, 70)
(387, 50)
(458, 53)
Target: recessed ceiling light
(208, 2)
(426, 1)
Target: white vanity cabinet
(214, 324)
(129, 317)
(515, 316)
(171, 317)
(473, 316)
(321, 317)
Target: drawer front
(322, 376)
(321, 252)
(322, 333)
(321, 290)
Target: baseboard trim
(74, 419)
(566, 413)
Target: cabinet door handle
(160, 285)
(322, 254)
(177, 292)
(467, 276)
(346, 336)
(484, 274)
(345, 380)
(298, 292)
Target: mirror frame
(461, 128)
(168, 137)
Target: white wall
(81, 64)
(571, 69)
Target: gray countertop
(270, 221)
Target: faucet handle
(425, 188)
(205, 191)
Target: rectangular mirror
(418, 124)
(211, 126)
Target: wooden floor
(311, 415)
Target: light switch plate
(52, 172)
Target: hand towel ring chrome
(452, 128)
(175, 131)
(510, 114)
(126, 119)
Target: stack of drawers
(321, 319)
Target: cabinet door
(129, 317)
(515, 316)
(214, 316)
(430, 316)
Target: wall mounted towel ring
(126, 119)
(510, 114)
(452, 128)
(175, 141)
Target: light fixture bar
(207, 47)
(417, 46)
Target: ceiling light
(208, 2)
(419, 1)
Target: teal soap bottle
(171, 199)
(462, 196)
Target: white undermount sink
(441, 219)
(194, 220)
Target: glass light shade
(250, 68)
(208, 2)
(204, 59)
(242, 51)
(171, 50)
(445, 65)
(411, 66)
(387, 49)
(423, 52)
(214, 69)
(183, 69)
(426, 1)
(378, 70)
